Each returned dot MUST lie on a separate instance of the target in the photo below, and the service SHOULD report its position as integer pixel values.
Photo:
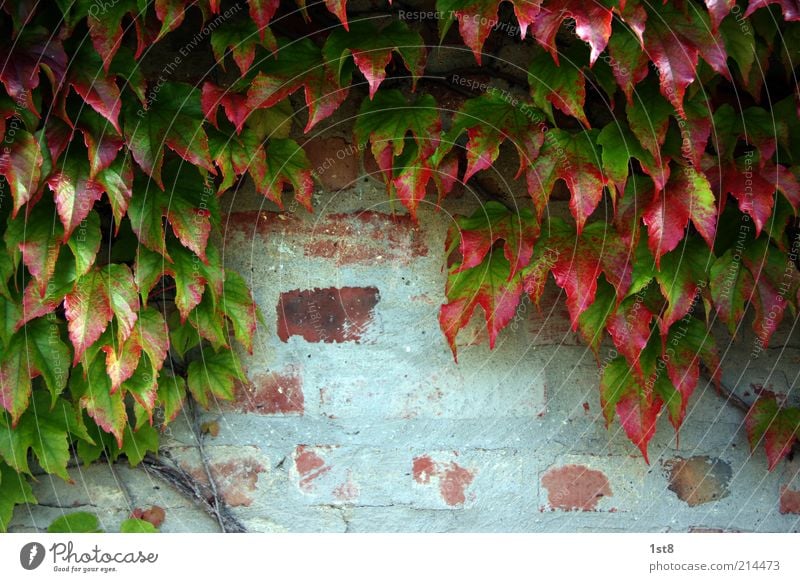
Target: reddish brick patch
(272, 393)
(453, 483)
(698, 480)
(575, 487)
(334, 161)
(309, 466)
(789, 500)
(365, 238)
(423, 468)
(361, 238)
(453, 478)
(235, 479)
(326, 315)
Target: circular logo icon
(31, 555)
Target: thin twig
(185, 484)
(198, 434)
(732, 398)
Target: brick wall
(356, 418)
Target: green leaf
(171, 394)
(78, 522)
(214, 373)
(93, 389)
(239, 306)
(173, 120)
(133, 525)
(14, 490)
(85, 243)
(561, 85)
(137, 443)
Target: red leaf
(574, 159)
(560, 85)
(488, 285)
(297, 65)
(629, 327)
(638, 415)
(592, 25)
(262, 11)
(778, 427)
(75, 193)
(97, 89)
(494, 222)
(235, 105)
(578, 260)
(791, 11)
(21, 165)
(687, 195)
(32, 49)
(718, 10)
(411, 184)
(170, 13)
(338, 9)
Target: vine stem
(198, 435)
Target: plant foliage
(669, 124)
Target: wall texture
(356, 418)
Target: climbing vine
(670, 124)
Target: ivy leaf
(38, 237)
(778, 427)
(21, 164)
(85, 243)
(629, 327)
(791, 12)
(592, 322)
(385, 120)
(687, 195)
(562, 85)
(75, 193)
(106, 408)
(101, 140)
(78, 522)
(682, 278)
(175, 120)
(636, 403)
(718, 10)
(47, 355)
(372, 47)
(629, 61)
(97, 297)
(137, 526)
(574, 159)
(592, 25)
(15, 381)
(688, 343)
(214, 373)
(137, 443)
(494, 222)
(105, 28)
(476, 18)
(300, 64)
(14, 490)
(618, 147)
(489, 285)
(241, 39)
(32, 49)
(284, 163)
(490, 120)
(262, 11)
(648, 119)
(240, 308)
(190, 280)
(170, 13)
(117, 181)
(171, 394)
(576, 261)
(98, 89)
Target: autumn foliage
(670, 125)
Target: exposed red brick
(333, 161)
(272, 393)
(423, 469)
(309, 466)
(453, 482)
(698, 480)
(789, 500)
(326, 315)
(361, 238)
(365, 238)
(575, 487)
